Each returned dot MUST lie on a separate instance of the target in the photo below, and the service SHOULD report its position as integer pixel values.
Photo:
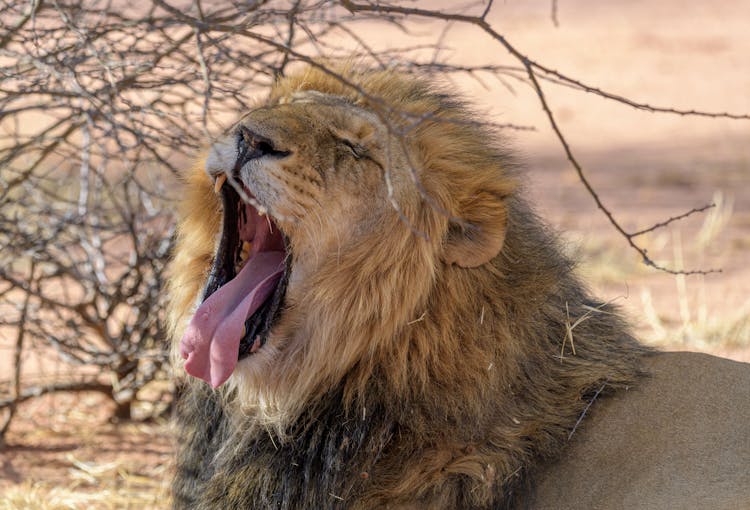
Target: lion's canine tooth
(220, 180)
(256, 344)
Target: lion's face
(335, 230)
(300, 181)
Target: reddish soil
(64, 452)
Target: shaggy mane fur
(406, 371)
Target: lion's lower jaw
(266, 390)
(273, 386)
(252, 389)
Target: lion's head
(355, 262)
(334, 212)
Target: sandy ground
(647, 167)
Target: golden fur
(421, 358)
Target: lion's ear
(479, 236)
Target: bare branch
(672, 219)
(17, 350)
(38, 391)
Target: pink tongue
(211, 341)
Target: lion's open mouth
(244, 293)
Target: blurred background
(104, 103)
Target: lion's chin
(244, 293)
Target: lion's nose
(251, 145)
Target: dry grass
(677, 311)
(602, 261)
(74, 458)
(92, 485)
(95, 486)
(700, 324)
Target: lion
(374, 317)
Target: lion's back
(679, 440)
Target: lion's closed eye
(356, 150)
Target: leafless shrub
(102, 101)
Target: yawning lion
(381, 321)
